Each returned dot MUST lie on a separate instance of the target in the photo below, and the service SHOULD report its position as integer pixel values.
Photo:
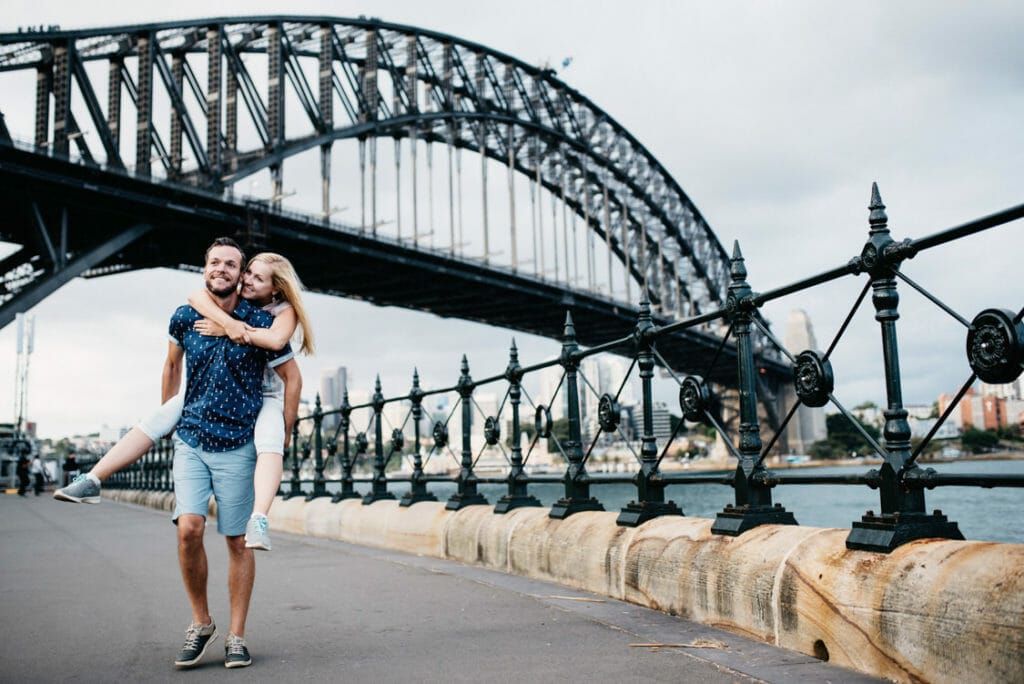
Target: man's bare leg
(241, 576)
(192, 559)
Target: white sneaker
(257, 535)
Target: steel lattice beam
(474, 98)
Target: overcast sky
(774, 117)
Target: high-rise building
(333, 383)
(808, 425)
(661, 422)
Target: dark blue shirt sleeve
(180, 324)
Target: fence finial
(877, 219)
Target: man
(23, 477)
(213, 446)
(38, 472)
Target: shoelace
(235, 645)
(261, 525)
(79, 478)
(192, 635)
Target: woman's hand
(204, 326)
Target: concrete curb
(933, 610)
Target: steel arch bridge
(91, 191)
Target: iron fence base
(458, 501)
(563, 508)
(886, 532)
(510, 502)
(735, 520)
(341, 496)
(635, 513)
(409, 498)
(377, 496)
(317, 493)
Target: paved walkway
(93, 593)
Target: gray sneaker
(81, 490)
(197, 638)
(256, 534)
(235, 652)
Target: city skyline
(775, 119)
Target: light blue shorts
(227, 475)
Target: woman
(270, 282)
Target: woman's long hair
(286, 281)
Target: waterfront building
(982, 411)
(808, 425)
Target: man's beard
(222, 293)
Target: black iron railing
(995, 353)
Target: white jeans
(269, 434)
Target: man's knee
(236, 545)
(191, 528)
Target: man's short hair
(224, 242)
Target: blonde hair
(286, 281)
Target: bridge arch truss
(210, 99)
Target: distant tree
(977, 441)
(930, 451)
(1010, 433)
(824, 449)
(559, 431)
(843, 434)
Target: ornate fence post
(753, 494)
(167, 454)
(319, 484)
(577, 482)
(903, 517)
(417, 487)
(650, 488)
(295, 486)
(347, 483)
(466, 495)
(379, 486)
(517, 479)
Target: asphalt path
(94, 594)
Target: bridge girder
(390, 81)
(371, 80)
(101, 235)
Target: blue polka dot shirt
(223, 393)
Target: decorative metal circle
(732, 305)
(694, 399)
(813, 378)
(332, 446)
(492, 430)
(362, 443)
(609, 413)
(995, 346)
(397, 439)
(542, 421)
(440, 435)
(869, 256)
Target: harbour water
(982, 514)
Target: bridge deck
(93, 593)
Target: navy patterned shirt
(223, 393)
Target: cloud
(775, 118)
